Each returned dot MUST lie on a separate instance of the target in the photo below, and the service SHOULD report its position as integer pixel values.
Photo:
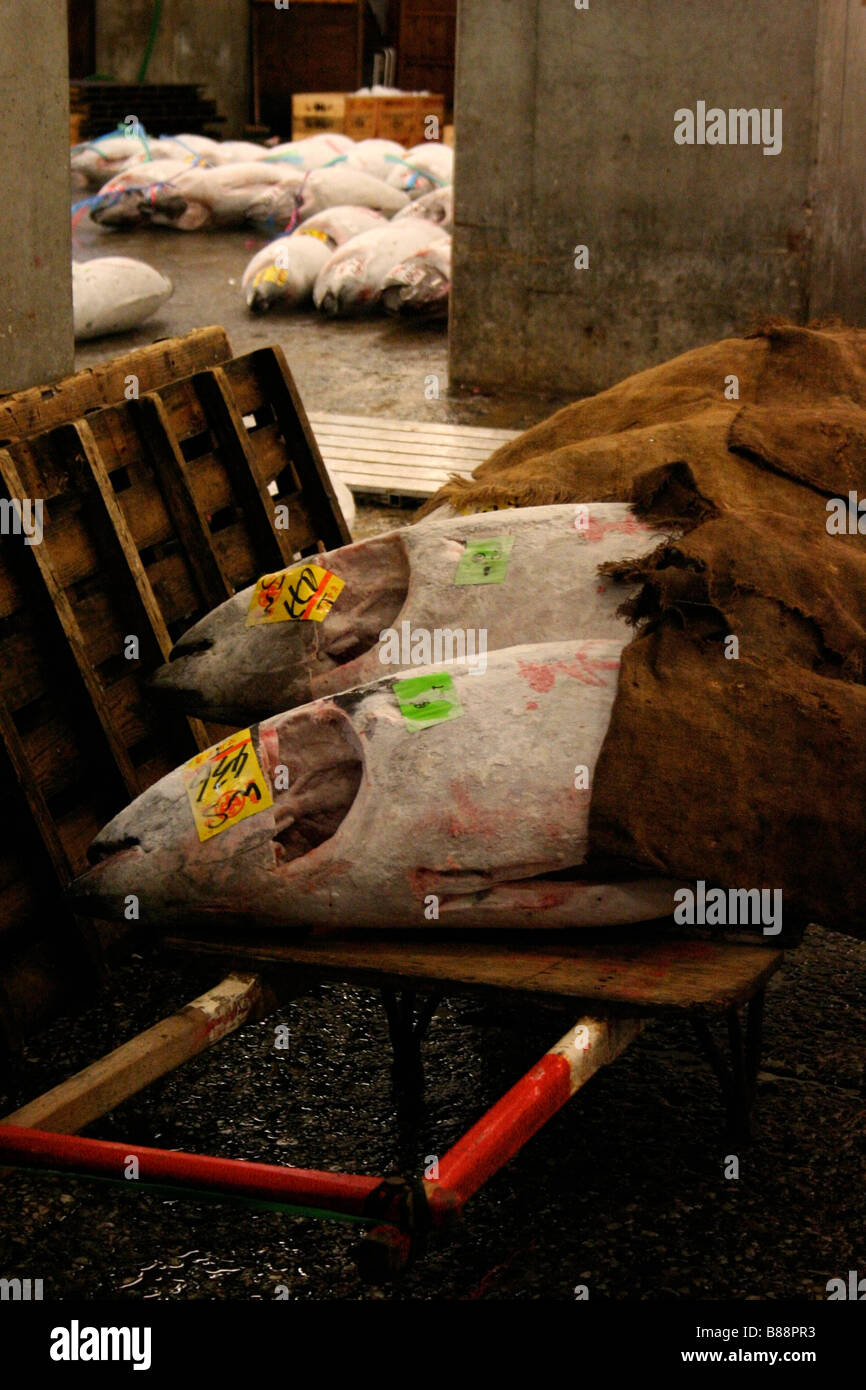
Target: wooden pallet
(155, 510)
(401, 458)
(162, 108)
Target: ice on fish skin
(224, 670)
(479, 810)
(351, 281)
(437, 207)
(420, 285)
(426, 166)
(324, 188)
(112, 294)
(285, 271)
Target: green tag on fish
(484, 562)
(426, 700)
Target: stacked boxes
(403, 118)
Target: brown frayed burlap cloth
(746, 772)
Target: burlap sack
(749, 770)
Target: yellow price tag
(225, 784)
(290, 595)
(272, 274)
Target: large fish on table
(351, 282)
(449, 798)
(508, 575)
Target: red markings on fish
(583, 667)
(595, 529)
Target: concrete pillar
(35, 282)
(201, 41)
(565, 135)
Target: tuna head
(209, 844)
(228, 668)
(420, 285)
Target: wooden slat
(62, 608)
(35, 798)
(128, 1069)
(325, 421)
(189, 520)
(321, 500)
(623, 972)
(408, 458)
(43, 407)
(126, 562)
(239, 460)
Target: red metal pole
(522, 1111)
(346, 1193)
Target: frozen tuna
(127, 200)
(376, 157)
(419, 286)
(427, 166)
(437, 207)
(311, 153)
(99, 160)
(448, 798)
(351, 281)
(452, 577)
(115, 293)
(227, 196)
(339, 185)
(285, 271)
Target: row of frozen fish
(156, 185)
(350, 260)
(411, 754)
(363, 225)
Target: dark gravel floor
(623, 1191)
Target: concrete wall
(202, 41)
(838, 282)
(35, 282)
(565, 127)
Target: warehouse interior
(527, 340)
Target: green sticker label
(484, 562)
(426, 700)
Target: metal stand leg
(738, 1077)
(408, 1027)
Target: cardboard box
(403, 118)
